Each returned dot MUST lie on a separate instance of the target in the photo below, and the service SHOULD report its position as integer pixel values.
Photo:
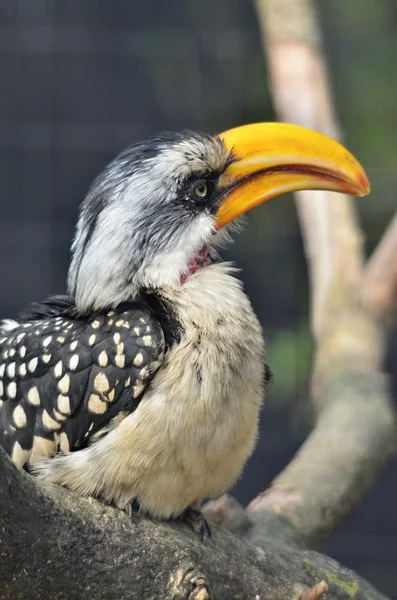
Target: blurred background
(81, 80)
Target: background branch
(379, 288)
(354, 435)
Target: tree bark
(55, 544)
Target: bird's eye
(201, 190)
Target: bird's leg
(195, 519)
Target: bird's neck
(105, 281)
(207, 296)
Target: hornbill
(143, 386)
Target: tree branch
(354, 435)
(55, 544)
(379, 289)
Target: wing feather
(64, 377)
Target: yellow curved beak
(270, 159)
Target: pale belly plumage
(197, 424)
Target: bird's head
(155, 214)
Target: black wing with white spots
(64, 377)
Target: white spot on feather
(19, 417)
(138, 360)
(103, 359)
(19, 456)
(101, 383)
(49, 422)
(34, 396)
(74, 361)
(64, 384)
(64, 404)
(119, 359)
(12, 389)
(11, 370)
(58, 369)
(32, 364)
(47, 341)
(95, 405)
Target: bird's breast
(200, 417)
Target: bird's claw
(192, 517)
(132, 508)
(195, 519)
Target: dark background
(81, 79)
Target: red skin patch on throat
(196, 262)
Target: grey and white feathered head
(159, 204)
(150, 210)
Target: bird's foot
(195, 519)
(132, 508)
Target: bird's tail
(71, 470)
